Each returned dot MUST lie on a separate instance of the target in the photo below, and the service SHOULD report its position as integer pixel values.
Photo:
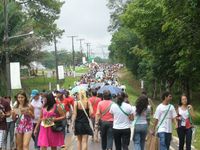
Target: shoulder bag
(128, 115)
(59, 125)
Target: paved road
(71, 144)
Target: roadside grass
(132, 85)
(81, 69)
(42, 83)
(69, 82)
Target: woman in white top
(141, 112)
(122, 113)
(185, 116)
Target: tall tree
(23, 17)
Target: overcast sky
(88, 19)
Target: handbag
(90, 122)
(153, 140)
(59, 125)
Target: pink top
(94, 102)
(102, 106)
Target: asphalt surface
(71, 144)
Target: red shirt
(64, 102)
(70, 101)
(94, 101)
(102, 106)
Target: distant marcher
(123, 114)
(10, 127)
(94, 100)
(80, 122)
(37, 104)
(141, 112)
(51, 112)
(4, 113)
(185, 116)
(24, 115)
(164, 115)
(105, 119)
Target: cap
(34, 93)
(62, 91)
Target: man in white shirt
(37, 104)
(164, 115)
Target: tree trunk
(3, 83)
(3, 78)
(155, 89)
(186, 87)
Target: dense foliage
(25, 16)
(158, 40)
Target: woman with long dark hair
(140, 121)
(123, 114)
(50, 113)
(23, 114)
(185, 116)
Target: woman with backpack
(185, 116)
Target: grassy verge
(42, 83)
(69, 81)
(132, 85)
(82, 69)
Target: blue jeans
(165, 139)
(140, 136)
(10, 131)
(106, 134)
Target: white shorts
(2, 138)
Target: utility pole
(81, 48)
(73, 52)
(88, 49)
(56, 58)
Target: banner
(84, 60)
(15, 79)
(61, 74)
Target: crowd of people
(48, 116)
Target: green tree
(23, 17)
